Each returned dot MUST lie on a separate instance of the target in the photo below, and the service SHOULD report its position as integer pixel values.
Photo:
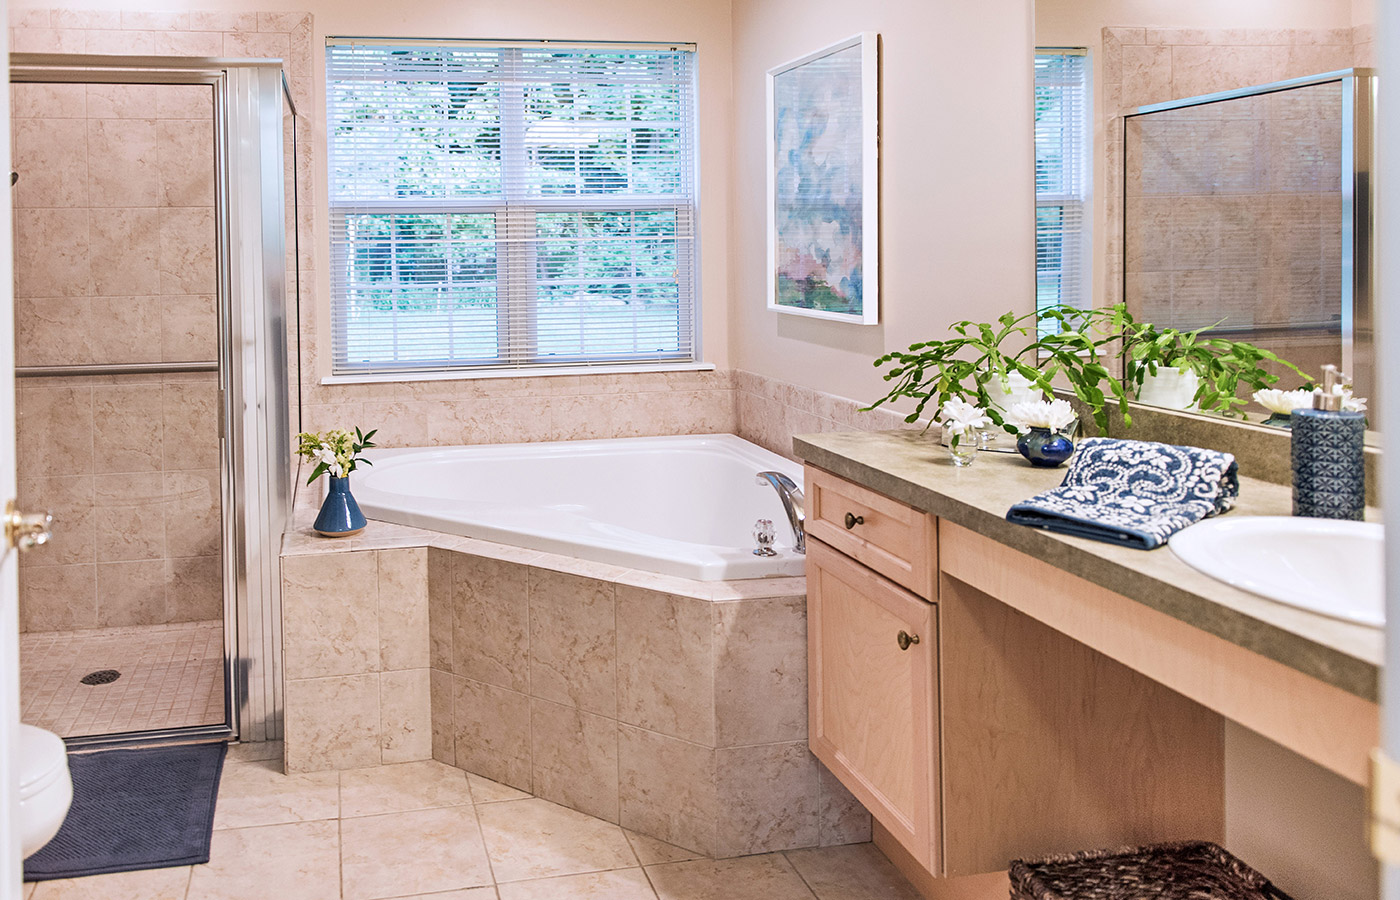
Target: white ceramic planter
(1170, 388)
(1016, 389)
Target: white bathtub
(676, 505)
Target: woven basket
(1188, 871)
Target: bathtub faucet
(792, 498)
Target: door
(10, 862)
(117, 357)
(872, 660)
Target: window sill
(541, 372)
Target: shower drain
(101, 676)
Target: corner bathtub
(682, 505)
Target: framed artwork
(823, 183)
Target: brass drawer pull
(852, 520)
(905, 639)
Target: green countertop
(913, 468)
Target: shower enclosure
(152, 200)
(1249, 212)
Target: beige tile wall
(280, 35)
(114, 263)
(678, 716)
(770, 412)
(355, 659)
(509, 410)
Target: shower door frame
(254, 434)
(1358, 207)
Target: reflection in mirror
(1145, 52)
(1247, 214)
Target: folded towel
(1133, 493)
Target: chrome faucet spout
(792, 498)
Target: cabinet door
(873, 696)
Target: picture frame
(823, 183)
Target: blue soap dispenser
(1329, 474)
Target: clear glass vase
(964, 450)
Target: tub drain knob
(764, 534)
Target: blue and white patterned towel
(1133, 493)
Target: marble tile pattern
(678, 714)
(771, 411)
(114, 236)
(426, 831)
(355, 658)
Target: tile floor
(427, 831)
(172, 677)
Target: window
(1062, 261)
(510, 206)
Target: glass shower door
(118, 351)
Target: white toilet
(45, 787)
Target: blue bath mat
(150, 808)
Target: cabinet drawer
(895, 540)
(872, 650)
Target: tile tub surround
(674, 708)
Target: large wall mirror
(1227, 174)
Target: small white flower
(1051, 414)
(1283, 402)
(959, 417)
(327, 455)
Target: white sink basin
(1328, 566)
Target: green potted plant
(1186, 370)
(977, 365)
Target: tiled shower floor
(172, 676)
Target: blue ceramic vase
(1044, 448)
(340, 515)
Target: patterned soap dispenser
(1329, 474)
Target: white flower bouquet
(958, 417)
(1282, 403)
(1055, 415)
(335, 452)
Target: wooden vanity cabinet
(994, 736)
(873, 672)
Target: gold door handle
(852, 520)
(25, 531)
(905, 639)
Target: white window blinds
(1062, 260)
(510, 206)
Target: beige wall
(956, 200)
(1302, 826)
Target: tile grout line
(481, 835)
(805, 882)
